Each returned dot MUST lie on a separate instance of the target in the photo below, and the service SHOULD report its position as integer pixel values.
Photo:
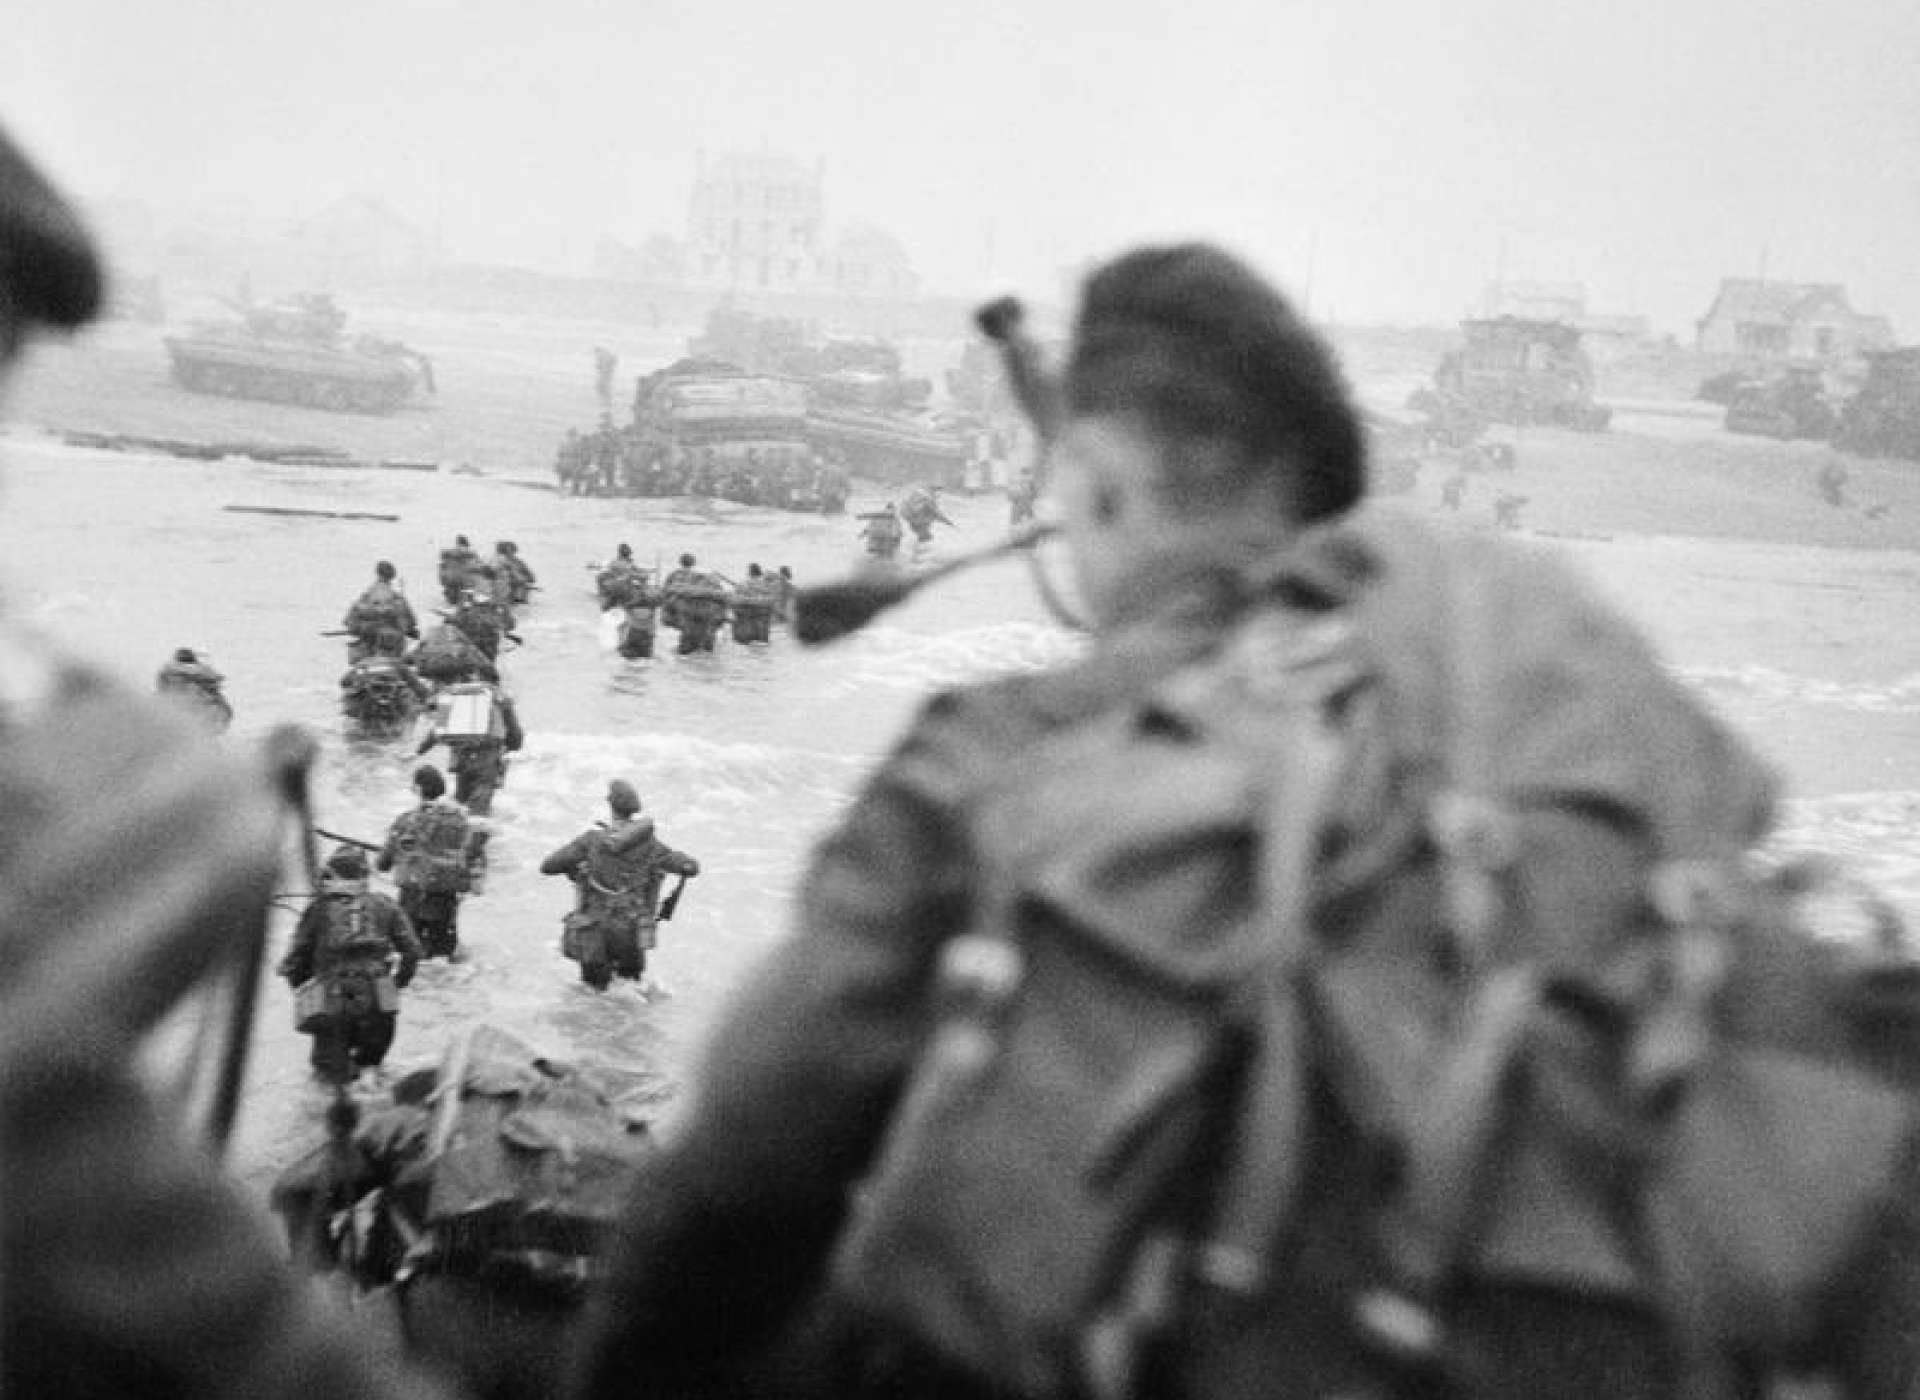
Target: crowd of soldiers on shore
(616, 461)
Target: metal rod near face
(831, 611)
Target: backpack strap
(1273, 690)
(1455, 1134)
(1299, 669)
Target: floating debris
(320, 514)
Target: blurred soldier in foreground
(617, 867)
(130, 1265)
(1289, 998)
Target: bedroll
(530, 1158)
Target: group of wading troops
(355, 949)
(693, 601)
(1349, 975)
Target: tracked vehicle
(298, 352)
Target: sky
(1383, 159)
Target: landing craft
(1514, 369)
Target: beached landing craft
(297, 352)
(1515, 369)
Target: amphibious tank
(298, 352)
(1790, 404)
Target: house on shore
(1771, 321)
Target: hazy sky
(1392, 154)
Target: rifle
(347, 840)
(672, 901)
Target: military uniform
(434, 913)
(199, 684)
(815, 1049)
(920, 512)
(753, 607)
(695, 605)
(485, 622)
(479, 765)
(882, 533)
(618, 869)
(722, 1285)
(380, 607)
(640, 605)
(807, 1070)
(447, 655)
(348, 940)
(613, 581)
(458, 563)
(381, 691)
(522, 578)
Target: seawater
(744, 758)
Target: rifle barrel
(347, 840)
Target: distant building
(755, 221)
(866, 262)
(1765, 320)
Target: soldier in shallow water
(617, 867)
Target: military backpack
(434, 850)
(1434, 844)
